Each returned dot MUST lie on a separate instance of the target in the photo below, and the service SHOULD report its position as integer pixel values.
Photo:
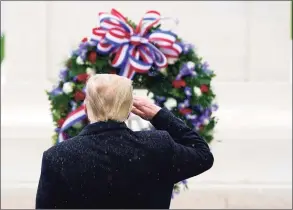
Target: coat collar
(100, 127)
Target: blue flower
(73, 105)
(160, 100)
(187, 48)
(56, 91)
(187, 91)
(215, 107)
(205, 68)
(185, 71)
(184, 104)
(63, 74)
(184, 182)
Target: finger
(145, 110)
(144, 104)
(136, 98)
(140, 98)
(137, 103)
(137, 112)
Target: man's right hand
(144, 107)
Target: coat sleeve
(48, 192)
(191, 154)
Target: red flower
(84, 40)
(82, 77)
(178, 83)
(204, 88)
(60, 122)
(185, 111)
(79, 96)
(201, 127)
(92, 57)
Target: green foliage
(159, 85)
(2, 47)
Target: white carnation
(206, 121)
(90, 71)
(197, 91)
(150, 95)
(79, 60)
(190, 65)
(171, 60)
(163, 71)
(68, 87)
(170, 103)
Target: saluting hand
(144, 107)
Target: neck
(104, 121)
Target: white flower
(78, 125)
(206, 121)
(150, 95)
(190, 65)
(68, 87)
(79, 60)
(90, 71)
(197, 91)
(170, 103)
(163, 71)
(171, 60)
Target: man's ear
(85, 110)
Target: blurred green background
(2, 47)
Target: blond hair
(108, 97)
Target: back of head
(108, 97)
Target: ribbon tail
(120, 56)
(127, 70)
(75, 116)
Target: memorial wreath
(155, 59)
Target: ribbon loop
(148, 48)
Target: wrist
(155, 112)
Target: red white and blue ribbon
(133, 49)
(75, 116)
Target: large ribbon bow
(134, 49)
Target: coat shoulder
(58, 152)
(156, 138)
